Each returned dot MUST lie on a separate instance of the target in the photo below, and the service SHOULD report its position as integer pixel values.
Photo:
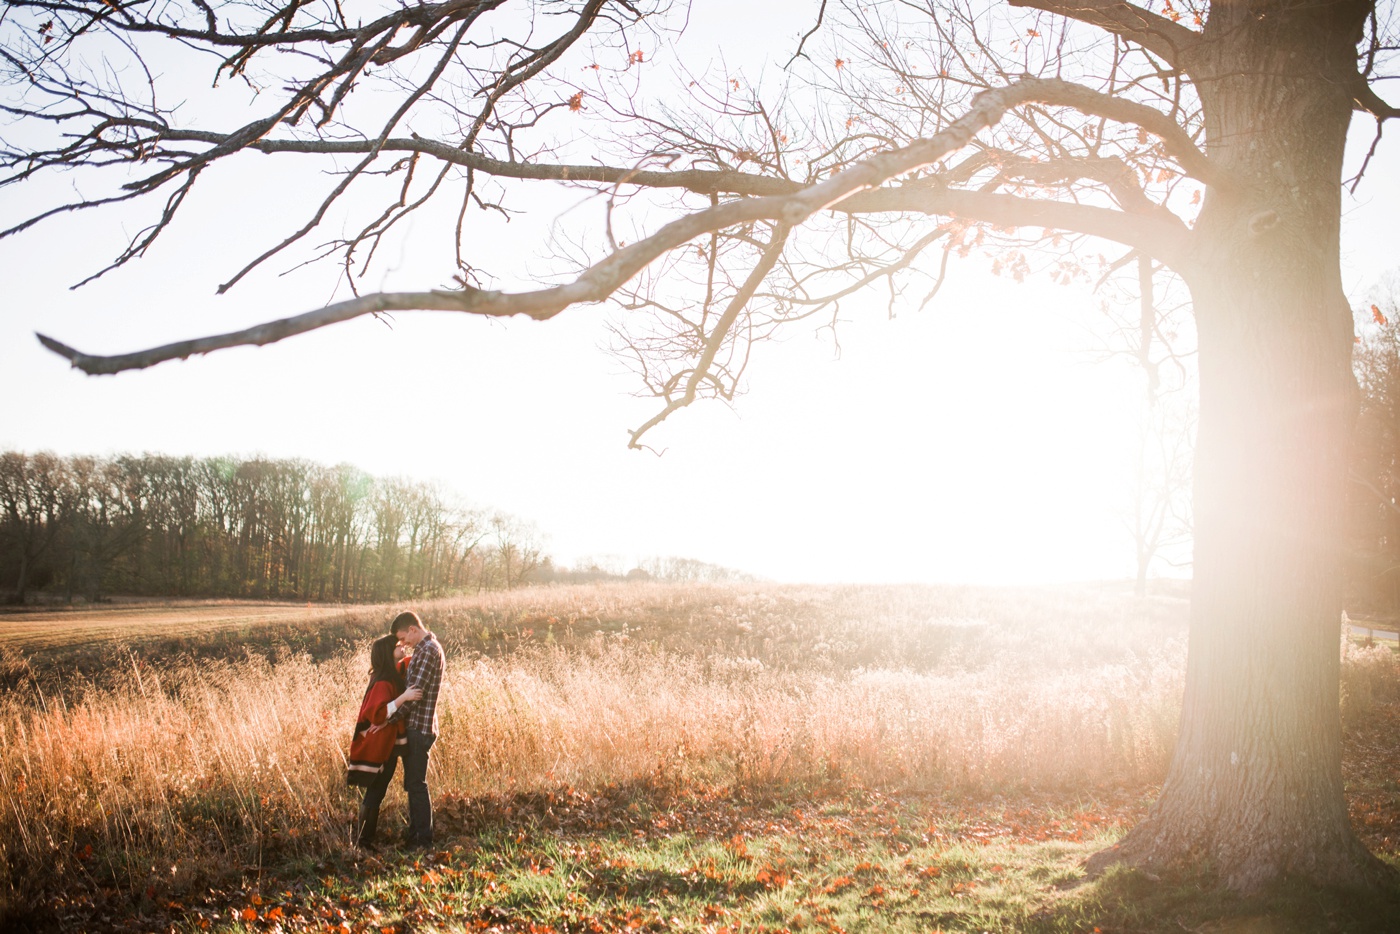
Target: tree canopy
(441, 103)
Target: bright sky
(978, 440)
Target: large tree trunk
(1255, 785)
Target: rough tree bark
(1255, 784)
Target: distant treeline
(616, 568)
(153, 525)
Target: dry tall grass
(176, 768)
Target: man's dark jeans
(415, 784)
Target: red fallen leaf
(772, 878)
(274, 914)
(249, 914)
(1378, 316)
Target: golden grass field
(189, 763)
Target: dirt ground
(34, 629)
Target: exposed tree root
(1244, 866)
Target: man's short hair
(405, 620)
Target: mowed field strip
(53, 628)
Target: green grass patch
(652, 859)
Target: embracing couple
(398, 720)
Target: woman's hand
(410, 694)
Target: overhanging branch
(854, 189)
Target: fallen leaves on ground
(622, 857)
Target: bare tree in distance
(516, 553)
(1039, 133)
(1151, 316)
(1159, 510)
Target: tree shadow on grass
(1126, 901)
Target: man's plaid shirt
(424, 672)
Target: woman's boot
(365, 827)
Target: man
(420, 716)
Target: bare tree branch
(821, 14)
(1159, 35)
(1368, 101)
(1175, 142)
(718, 335)
(259, 335)
(98, 127)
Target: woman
(374, 746)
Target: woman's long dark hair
(381, 663)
